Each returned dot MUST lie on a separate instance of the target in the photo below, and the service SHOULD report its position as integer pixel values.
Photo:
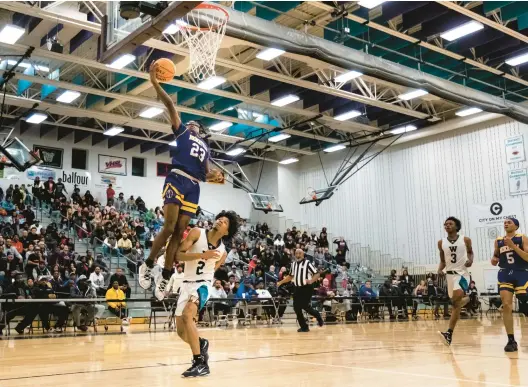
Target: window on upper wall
(79, 159)
(138, 166)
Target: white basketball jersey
(455, 254)
(202, 269)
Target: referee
(303, 275)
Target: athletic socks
(149, 263)
(166, 274)
(511, 338)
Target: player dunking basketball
(181, 191)
(203, 252)
(456, 255)
(511, 254)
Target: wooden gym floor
(367, 354)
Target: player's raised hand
(211, 254)
(494, 261)
(214, 176)
(508, 242)
(152, 72)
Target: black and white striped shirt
(301, 271)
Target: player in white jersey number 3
(456, 255)
(203, 252)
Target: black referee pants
(302, 301)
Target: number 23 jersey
(508, 258)
(455, 254)
(190, 154)
(202, 269)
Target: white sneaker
(145, 276)
(159, 292)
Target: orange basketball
(165, 70)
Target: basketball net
(203, 30)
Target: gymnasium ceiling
(404, 32)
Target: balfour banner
(113, 165)
(51, 157)
(493, 214)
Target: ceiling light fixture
(151, 112)
(279, 137)
(468, 111)
(347, 115)
(286, 100)
(335, 148)
(270, 53)
(122, 61)
(114, 131)
(347, 76)
(36, 118)
(236, 152)
(517, 60)
(220, 126)
(11, 33)
(403, 129)
(370, 3)
(291, 160)
(412, 94)
(462, 30)
(68, 96)
(211, 82)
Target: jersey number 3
(453, 258)
(199, 268)
(198, 151)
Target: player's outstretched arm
(164, 97)
(523, 253)
(442, 264)
(469, 249)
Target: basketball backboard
(264, 202)
(18, 155)
(318, 195)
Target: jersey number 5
(200, 267)
(197, 151)
(509, 257)
(453, 258)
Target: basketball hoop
(311, 194)
(203, 29)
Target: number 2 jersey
(202, 269)
(508, 258)
(455, 254)
(190, 154)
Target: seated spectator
(369, 296)
(20, 290)
(391, 296)
(110, 245)
(218, 292)
(265, 300)
(352, 304)
(438, 297)
(116, 307)
(43, 290)
(8, 264)
(325, 292)
(41, 271)
(474, 303)
(131, 204)
(323, 238)
(84, 228)
(421, 293)
(278, 241)
(121, 279)
(232, 257)
(97, 281)
(175, 281)
(124, 244)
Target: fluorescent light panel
(463, 30)
(171, 29)
(220, 126)
(286, 100)
(68, 96)
(404, 129)
(347, 76)
(10, 34)
(211, 83)
(279, 137)
(468, 111)
(370, 3)
(236, 152)
(122, 61)
(412, 94)
(517, 60)
(270, 53)
(335, 148)
(347, 115)
(151, 112)
(291, 160)
(113, 131)
(36, 118)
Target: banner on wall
(493, 214)
(113, 165)
(51, 157)
(104, 180)
(43, 173)
(518, 181)
(515, 149)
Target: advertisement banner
(515, 149)
(518, 181)
(76, 178)
(43, 173)
(113, 165)
(493, 214)
(51, 157)
(104, 180)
